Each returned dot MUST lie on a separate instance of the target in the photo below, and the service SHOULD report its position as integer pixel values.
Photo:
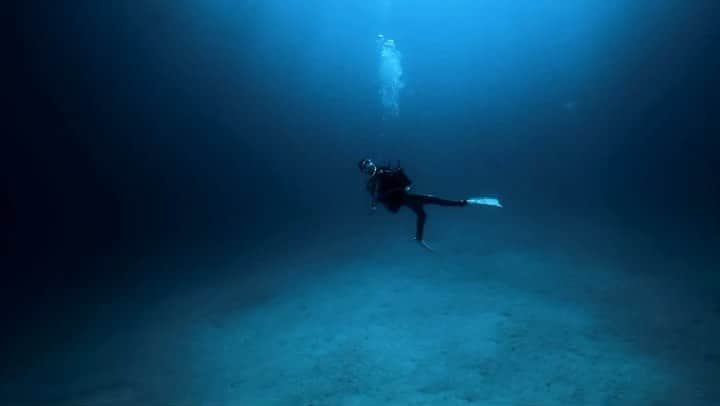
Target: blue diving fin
(484, 201)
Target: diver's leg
(429, 199)
(417, 207)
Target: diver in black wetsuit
(391, 187)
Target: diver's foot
(424, 245)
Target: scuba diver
(391, 187)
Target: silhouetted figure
(391, 187)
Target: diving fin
(484, 201)
(424, 244)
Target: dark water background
(194, 129)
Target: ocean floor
(525, 315)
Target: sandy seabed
(578, 315)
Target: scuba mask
(367, 166)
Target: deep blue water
(198, 132)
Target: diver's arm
(374, 194)
(372, 188)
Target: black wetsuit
(390, 187)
